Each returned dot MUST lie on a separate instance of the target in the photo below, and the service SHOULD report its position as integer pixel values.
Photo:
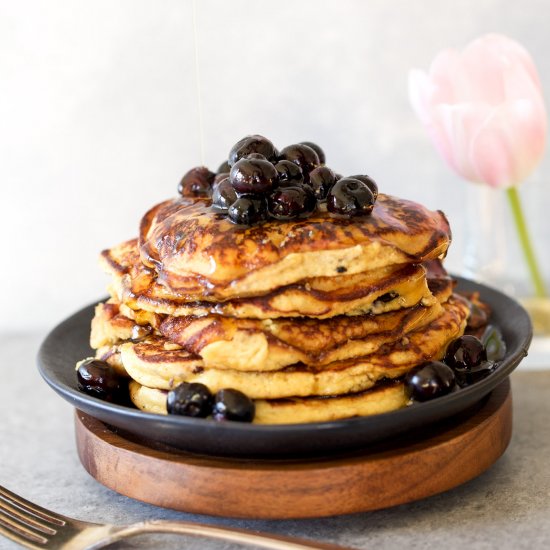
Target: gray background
(99, 118)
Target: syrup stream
(198, 81)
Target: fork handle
(240, 536)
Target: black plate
(68, 343)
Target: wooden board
(380, 477)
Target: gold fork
(35, 527)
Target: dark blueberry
(478, 316)
(223, 195)
(192, 399)
(317, 149)
(232, 404)
(429, 380)
(494, 343)
(465, 352)
(350, 197)
(255, 176)
(219, 177)
(256, 156)
(321, 179)
(196, 183)
(287, 203)
(388, 297)
(466, 376)
(247, 210)
(253, 144)
(100, 379)
(290, 174)
(302, 155)
(223, 167)
(371, 184)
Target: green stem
(524, 239)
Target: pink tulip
(483, 109)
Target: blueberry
(387, 297)
(290, 174)
(187, 399)
(467, 356)
(253, 176)
(232, 404)
(247, 210)
(465, 352)
(287, 203)
(197, 183)
(478, 317)
(350, 197)
(253, 144)
(371, 184)
(321, 180)
(223, 195)
(219, 177)
(302, 155)
(256, 156)
(466, 376)
(100, 379)
(429, 380)
(317, 149)
(223, 167)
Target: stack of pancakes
(314, 319)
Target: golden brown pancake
(265, 345)
(111, 326)
(385, 398)
(261, 345)
(378, 291)
(198, 252)
(157, 363)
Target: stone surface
(506, 507)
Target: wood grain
(376, 478)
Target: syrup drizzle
(198, 81)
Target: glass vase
(495, 255)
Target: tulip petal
(484, 110)
(484, 66)
(510, 145)
(452, 131)
(447, 75)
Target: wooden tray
(382, 476)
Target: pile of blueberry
(467, 360)
(98, 378)
(258, 183)
(195, 400)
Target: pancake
(160, 364)
(262, 345)
(378, 400)
(265, 345)
(197, 252)
(377, 291)
(112, 324)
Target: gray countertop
(506, 507)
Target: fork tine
(25, 518)
(16, 531)
(31, 508)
